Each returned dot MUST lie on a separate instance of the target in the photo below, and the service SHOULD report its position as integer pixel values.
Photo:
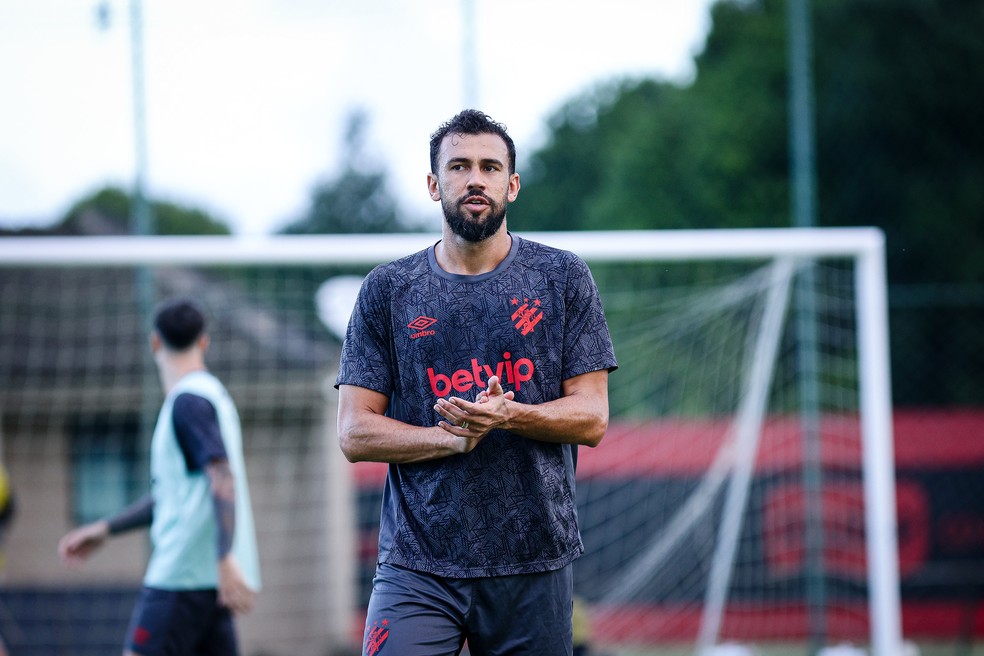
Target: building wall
(305, 536)
(40, 477)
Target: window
(108, 465)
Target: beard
(463, 224)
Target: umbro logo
(421, 325)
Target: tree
(357, 200)
(652, 154)
(900, 141)
(110, 207)
(899, 146)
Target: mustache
(476, 194)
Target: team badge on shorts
(375, 638)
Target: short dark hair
(470, 121)
(179, 322)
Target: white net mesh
(696, 508)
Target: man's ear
(513, 187)
(433, 186)
(155, 342)
(203, 342)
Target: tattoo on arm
(223, 487)
(138, 514)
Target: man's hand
(474, 420)
(80, 543)
(494, 389)
(234, 593)
(578, 416)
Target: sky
(245, 101)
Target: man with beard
(475, 368)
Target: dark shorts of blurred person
(181, 623)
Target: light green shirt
(184, 532)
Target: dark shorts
(181, 623)
(417, 614)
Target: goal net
(750, 436)
(744, 494)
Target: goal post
(700, 320)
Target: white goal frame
(864, 245)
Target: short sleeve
(366, 359)
(587, 341)
(196, 426)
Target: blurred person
(475, 368)
(7, 511)
(582, 628)
(204, 568)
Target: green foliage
(114, 206)
(355, 202)
(899, 142)
(567, 172)
(651, 154)
(898, 88)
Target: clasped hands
(474, 419)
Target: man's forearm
(138, 514)
(366, 433)
(223, 487)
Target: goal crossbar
(599, 246)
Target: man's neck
(176, 367)
(463, 257)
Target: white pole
(469, 75)
(748, 434)
(878, 455)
